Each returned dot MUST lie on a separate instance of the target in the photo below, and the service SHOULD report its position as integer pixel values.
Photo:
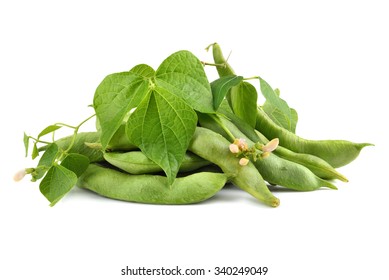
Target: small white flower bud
(243, 161)
(20, 175)
(234, 148)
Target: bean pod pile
(169, 136)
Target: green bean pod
(336, 152)
(214, 148)
(318, 166)
(222, 67)
(136, 162)
(120, 142)
(275, 170)
(153, 189)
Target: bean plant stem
(76, 128)
(217, 120)
(66, 125)
(39, 141)
(214, 64)
(252, 78)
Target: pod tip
(275, 202)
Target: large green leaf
(162, 127)
(57, 183)
(116, 95)
(183, 75)
(244, 102)
(221, 87)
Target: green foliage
(165, 100)
(116, 95)
(57, 183)
(244, 102)
(183, 75)
(162, 127)
(277, 108)
(222, 86)
(49, 129)
(76, 163)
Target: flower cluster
(240, 148)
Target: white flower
(243, 161)
(234, 148)
(241, 144)
(271, 146)
(20, 175)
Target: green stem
(209, 46)
(39, 141)
(214, 64)
(76, 128)
(217, 120)
(252, 78)
(66, 125)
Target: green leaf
(49, 156)
(57, 183)
(225, 107)
(277, 108)
(116, 95)
(76, 162)
(26, 141)
(279, 118)
(48, 130)
(183, 75)
(35, 151)
(162, 127)
(46, 162)
(294, 119)
(143, 70)
(221, 86)
(246, 129)
(244, 102)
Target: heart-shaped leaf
(162, 127)
(183, 75)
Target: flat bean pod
(275, 170)
(120, 142)
(318, 166)
(136, 162)
(336, 152)
(152, 189)
(214, 148)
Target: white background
(330, 60)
